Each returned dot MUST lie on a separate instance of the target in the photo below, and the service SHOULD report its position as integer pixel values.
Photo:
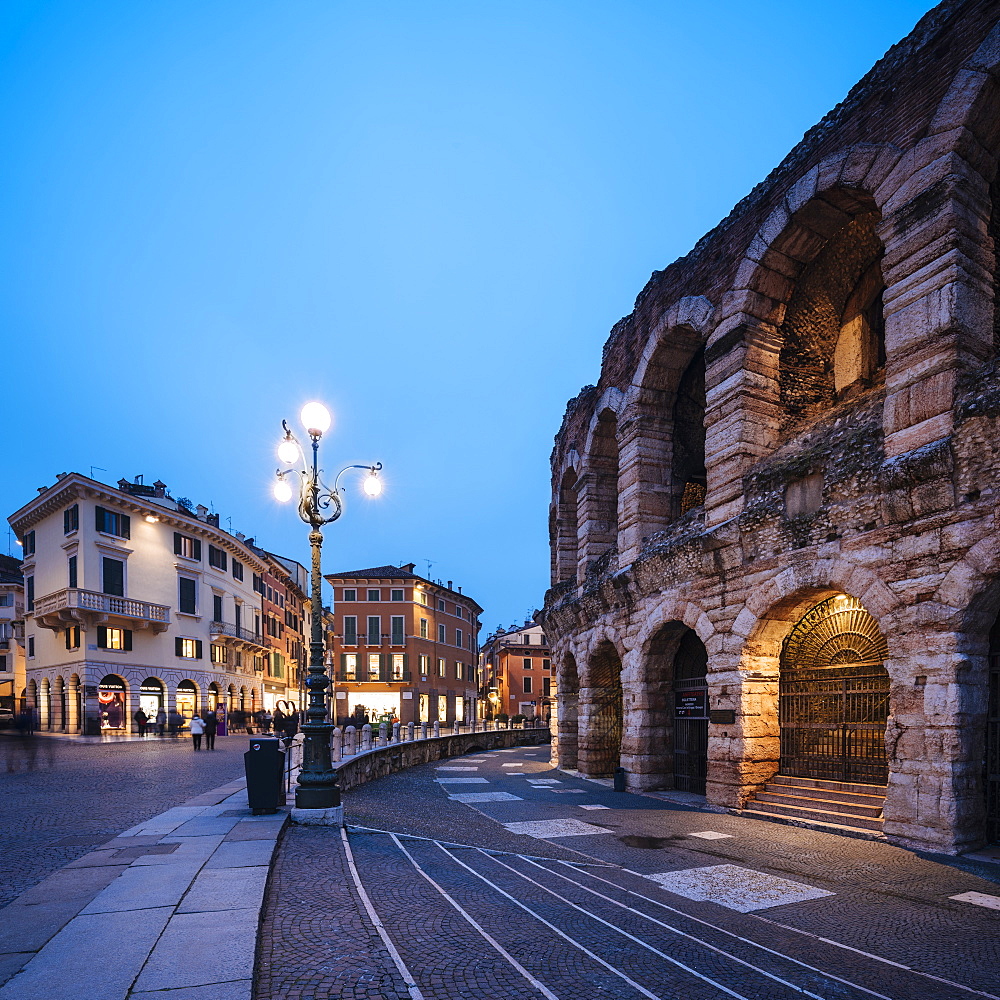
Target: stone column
(644, 477)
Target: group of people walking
(206, 725)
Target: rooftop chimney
(202, 511)
(449, 584)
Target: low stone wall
(383, 760)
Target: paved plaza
(483, 876)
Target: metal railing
(238, 632)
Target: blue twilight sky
(428, 214)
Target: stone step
(827, 794)
(812, 824)
(856, 787)
(872, 810)
(819, 815)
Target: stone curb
(172, 904)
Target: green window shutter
(126, 524)
(197, 548)
(69, 633)
(102, 637)
(197, 649)
(343, 666)
(178, 647)
(383, 666)
(177, 543)
(127, 640)
(99, 513)
(406, 666)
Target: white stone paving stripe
(513, 765)
(456, 769)
(545, 829)
(548, 994)
(485, 797)
(595, 807)
(736, 888)
(712, 835)
(461, 781)
(979, 899)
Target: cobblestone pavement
(61, 797)
(738, 908)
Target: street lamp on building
(318, 504)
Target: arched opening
(676, 717)
(599, 498)
(833, 332)
(567, 701)
(44, 705)
(991, 757)
(600, 745)
(688, 474)
(187, 699)
(112, 703)
(213, 696)
(567, 528)
(834, 695)
(152, 697)
(59, 705)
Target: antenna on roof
(430, 562)
(99, 469)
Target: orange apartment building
(403, 647)
(516, 673)
(284, 622)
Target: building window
(186, 546)
(423, 628)
(6, 600)
(459, 670)
(350, 663)
(237, 570)
(113, 577)
(114, 638)
(374, 666)
(31, 647)
(526, 663)
(71, 563)
(422, 597)
(29, 593)
(71, 518)
(546, 664)
(395, 595)
(188, 596)
(442, 708)
(398, 666)
(543, 640)
(219, 653)
(28, 543)
(527, 685)
(397, 630)
(350, 630)
(441, 634)
(374, 630)
(442, 667)
(277, 664)
(217, 611)
(3, 663)
(546, 686)
(374, 595)
(458, 638)
(190, 649)
(237, 658)
(258, 584)
(425, 666)
(440, 605)
(350, 595)
(73, 637)
(217, 558)
(111, 522)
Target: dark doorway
(690, 715)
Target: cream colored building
(12, 680)
(132, 598)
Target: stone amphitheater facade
(805, 410)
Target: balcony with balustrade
(241, 637)
(89, 609)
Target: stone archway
(833, 695)
(601, 713)
(567, 701)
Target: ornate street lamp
(319, 504)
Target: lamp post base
(319, 817)
(322, 797)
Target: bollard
(337, 750)
(395, 732)
(409, 731)
(350, 741)
(366, 736)
(458, 728)
(383, 734)
(423, 730)
(472, 726)
(437, 728)
(619, 779)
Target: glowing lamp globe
(282, 491)
(315, 418)
(373, 485)
(288, 451)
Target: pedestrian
(197, 728)
(140, 721)
(175, 723)
(161, 721)
(211, 727)
(278, 721)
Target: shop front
(152, 697)
(187, 699)
(378, 706)
(111, 703)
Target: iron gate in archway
(834, 695)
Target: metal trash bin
(619, 779)
(265, 769)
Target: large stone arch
(564, 750)
(662, 426)
(565, 526)
(598, 490)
